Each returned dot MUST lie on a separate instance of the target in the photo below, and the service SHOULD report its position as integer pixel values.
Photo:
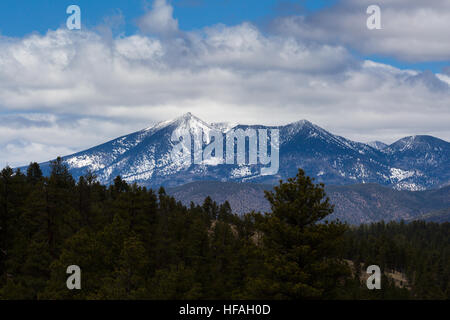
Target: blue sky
(21, 17)
(270, 62)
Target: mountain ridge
(355, 204)
(411, 163)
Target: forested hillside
(420, 250)
(134, 243)
(355, 204)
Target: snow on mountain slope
(412, 163)
(377, 145)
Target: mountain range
(412, 163)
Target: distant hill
(361, 203)
(243, 197)
(364, 203)
(412, 163)
(439, 216)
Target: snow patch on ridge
(399, 174)
(242, 171)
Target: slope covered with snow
(412, 163)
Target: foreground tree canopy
(135, 243)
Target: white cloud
(443, 77)
(412, 30)
(159, 20)
(65, 91)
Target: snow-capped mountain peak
(414, 163)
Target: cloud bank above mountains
(412, 30)
(67, 90)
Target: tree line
(137, 243)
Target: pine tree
(34, 173)
(300, 249)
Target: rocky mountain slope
(412, 163)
